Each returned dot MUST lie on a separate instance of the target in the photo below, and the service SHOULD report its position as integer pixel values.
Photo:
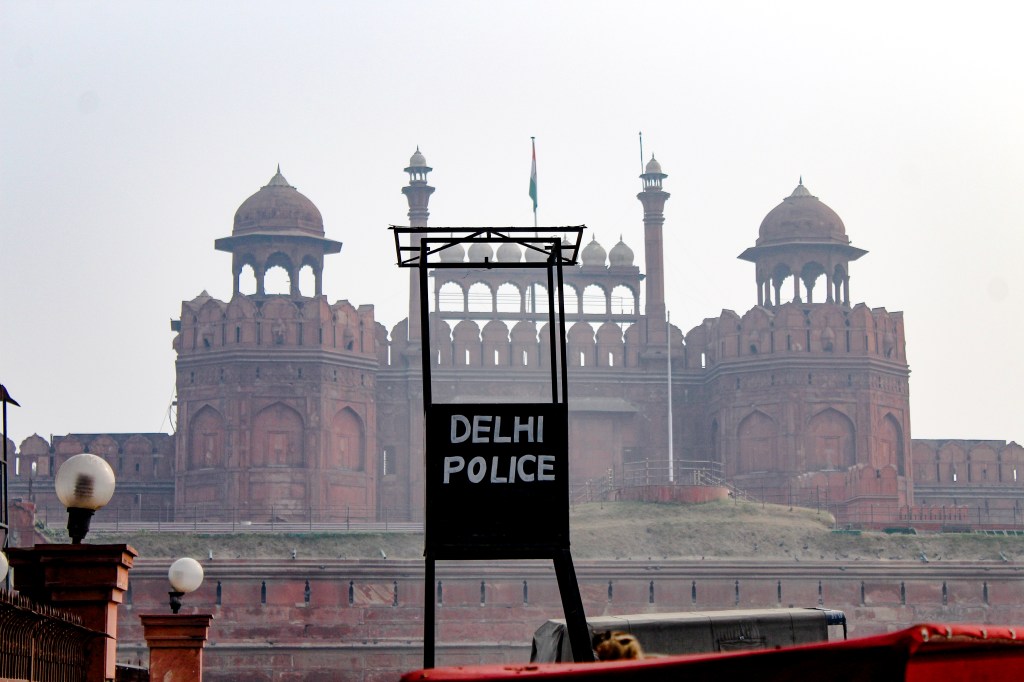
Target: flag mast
(533, 179)
(641, 152)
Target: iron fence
(40, 642)
(684, 472)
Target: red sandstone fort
(291, 408)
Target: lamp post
(84, 483)
(176, 641)
(89, 580)
(185, 575)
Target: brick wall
(363, 619)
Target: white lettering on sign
(488, 429)
(526, 468)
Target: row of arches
(277, 280)
(510, 297)
(278, 274)
(276, 439)
(771, 288)
(828, 441)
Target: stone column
(176, 644)
(88, 580)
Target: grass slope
(623, 530)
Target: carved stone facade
(296, 408)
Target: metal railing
(685, 472)
(40, 642)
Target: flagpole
(641, 152)
(533, 179)
(671, 463)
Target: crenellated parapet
(209, 326)
(794, 330)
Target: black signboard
(497, 480)
(497, 473)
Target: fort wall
(362, 620)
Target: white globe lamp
(185, 575)
(84, 483)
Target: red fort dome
(801, 217)
(278, 208)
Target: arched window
(451, 298)
(307, 281)
(509, 298)
(247, 280)
(623, 301)
(480, 298)
(572, 300)
(594, 300)
(276, 281)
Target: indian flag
(533, 176)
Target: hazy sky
(130, 132)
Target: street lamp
(185, 575)
(84, 483)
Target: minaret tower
(418, 193)
(653, 198)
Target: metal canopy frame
(422, 248)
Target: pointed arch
(890, 441)
(756, 443)
(829, 442)
(278, 437)
(348, 442)
(206, 439)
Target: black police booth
(497, 474)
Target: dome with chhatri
(653, 166)
(509, 252)
(802, 218)
(455, 253)
(480, 251)
(278, 208)
(593, 254)
(620, 255)
(417, 160)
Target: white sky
(130, 132)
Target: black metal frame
(5, 521)
(414, 247)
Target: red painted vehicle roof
(922, 653)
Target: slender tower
(653, 198)
(418, 193)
